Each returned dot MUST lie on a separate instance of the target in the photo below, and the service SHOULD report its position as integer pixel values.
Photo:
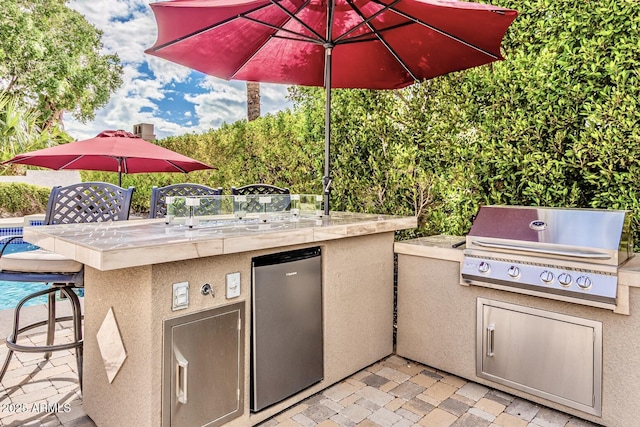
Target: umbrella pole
(119, 171)
(326, 180)
(328, 48)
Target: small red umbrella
(372, 44)
(111, 151)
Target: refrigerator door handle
(182, 376)
(490, 336)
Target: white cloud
(223, 102)
(272, 97)
(128, 29)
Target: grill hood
(594, 235)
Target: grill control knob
(484, 267)
(546, 276)
(513, 271)
(583, 282)
(564, 279)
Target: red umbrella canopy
(368, 44)
(111, 151)
(376, 44)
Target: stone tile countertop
(123, 244)
(440, 247)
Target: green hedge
(272, 149)
(17, 199)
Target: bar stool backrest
(280, 202)
(158, 208)
(88, 202)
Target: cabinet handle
(490, 330)
(182, 375)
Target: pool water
(12, 292)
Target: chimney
(144, 131)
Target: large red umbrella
(374, 44)
(111, 151)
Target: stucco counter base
(357, 295)
(437, 326)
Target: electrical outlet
(180, 296)
(233, 285)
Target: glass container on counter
(219, 210)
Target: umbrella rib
(257, 51)
(66, 165)
(207, 28)
(295, 39)
(310, 39)
(302, 38)
(371, 37)
(439, 31)
(383, 41)
(177, 167)
(295, 18)
(366, 21)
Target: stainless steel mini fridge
(286, 333)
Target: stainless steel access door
(551, 355)
(203, 367)
(287, 342)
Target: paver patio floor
(391, 393)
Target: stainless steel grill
(566, 254)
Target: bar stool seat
(38, 261)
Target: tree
(253, 100)
(50, 56)
(20, 132)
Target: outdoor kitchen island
(438, 318)
(136, 271)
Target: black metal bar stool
(78, 203)
(159, 196)
(281, 196)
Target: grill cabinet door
(204, 369)
(547, 354)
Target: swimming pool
(12, 292)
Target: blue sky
(175, 99)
